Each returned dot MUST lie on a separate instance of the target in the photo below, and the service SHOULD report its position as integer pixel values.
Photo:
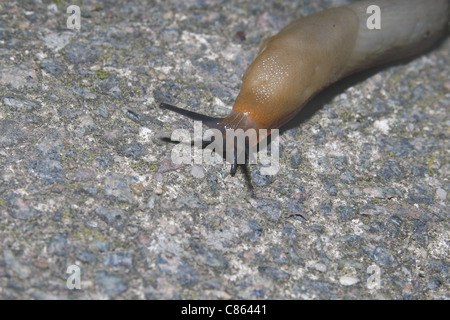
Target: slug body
(311, 53)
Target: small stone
(396, 220)
(152, 200)
(296, 208)
(325, 208)
(167, 165)
(340, 162)
(87, 122)
(135, 150)
(87, 256)
(391, 171)
(10, 133)
(379, 109)
(419, 171)
(321, 137)
(118, 259)
(58, 244)
(329, 184)
(374, 192)
(113, 217)
(274, 273)
(40, 263)
(84, 174)
(103, 112)
(90, 191)
(279, 255)
(57, 41)
(21, 270)
(186, 275)
(260, 179)
(19, 104)
(79, 53)
(84, 92)
(113, 135)
(384, 257)
(52, 67)
(347, 178)
(52, 8)
(441, 194)
(110, 284)
(434, 283)
(348, 280)
(317, 228)
(295, 160)
(300, 194)
(420, 233)
(377, 227)
(169, 35)
(111, 85)
(116, 188)
(420, 194)
(210, 257)
(104, 162)
(12, 284)
(320, 267)
(255, 230)
(178, 268)
(103, 246)
(20, 209)
(347, 212)
(18, 77)
(197, 172)
(49, 171)
(239, 36)
(271, 208)
(212, 180)
(190, 201)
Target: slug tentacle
(209, 121)
(218, 123)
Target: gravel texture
(86, 177)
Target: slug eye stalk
(209, 121)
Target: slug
(311, 53)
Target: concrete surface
(358, 210)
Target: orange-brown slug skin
(311, 53)
(292, 66)
(315, 51)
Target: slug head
(227, 126)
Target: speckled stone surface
(86, 178)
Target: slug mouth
(236, 148)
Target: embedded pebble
(441, 194)
(79, 53)
(114, 217)
(111, 284)
(52, 67)
(19, 208)
(197, 172)
(18, 104)
(18, 77)
(348, 280)
(57, 41)
(86, 175)
(58, 244)
(22, 271)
